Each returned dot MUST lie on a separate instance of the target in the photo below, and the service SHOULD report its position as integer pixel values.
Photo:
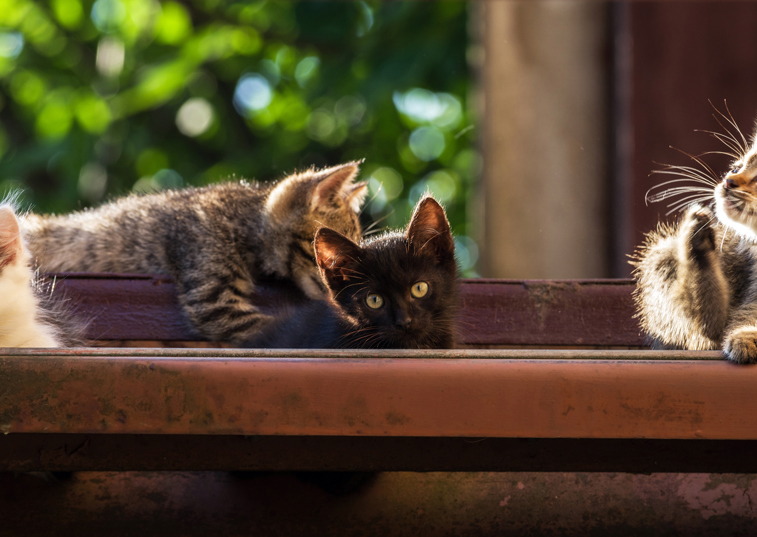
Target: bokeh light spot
(93, 180)
(253, 93)
(162, 180)
(11, 44)
(108, 15)
(427, 143)
(110, 56)
(174, 24)
(194, 117)
(306, 69)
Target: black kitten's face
(400, 298)
(400, 288)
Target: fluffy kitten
(697, 281)
(29, 317)
(394, 291)
(214, 241)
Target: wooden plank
(548, 312)
(503, 394)
(492, 312)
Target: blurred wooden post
(545, 187)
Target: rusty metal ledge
(510, 394)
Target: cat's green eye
(419, 289)
(374, 301)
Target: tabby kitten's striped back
(215, 241)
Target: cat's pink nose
(729, 184)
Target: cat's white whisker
(687, 171)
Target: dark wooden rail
(493, 312)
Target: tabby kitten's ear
(10, 235)
(337, 183)
(429, 231)
(337, 256)
(314, 188)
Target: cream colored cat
(27, 315)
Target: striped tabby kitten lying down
(214, 241)
(697, 280)
(29, 317)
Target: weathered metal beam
(518, 394)
(492, 312)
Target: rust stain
(665, 409)
(356, 412)
(397, 418)
(546, 295)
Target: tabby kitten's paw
(741, 346)
(697, 229)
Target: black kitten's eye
(374, 301)
(419, 289)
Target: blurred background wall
(545, 140)
(536, 123)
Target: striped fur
(215, 241)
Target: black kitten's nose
(403, 322)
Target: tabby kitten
(697, 281)
(214, 241)
(395, 291)
(29, 317)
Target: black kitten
(397, 291)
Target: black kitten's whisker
(377, 222)
(341, 290)
(380, 188)
(372, 232)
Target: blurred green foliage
(101, 98)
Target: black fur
(388, 266)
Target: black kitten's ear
(337, 183)
(337, 256)
(429, 230)
(10, 235)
